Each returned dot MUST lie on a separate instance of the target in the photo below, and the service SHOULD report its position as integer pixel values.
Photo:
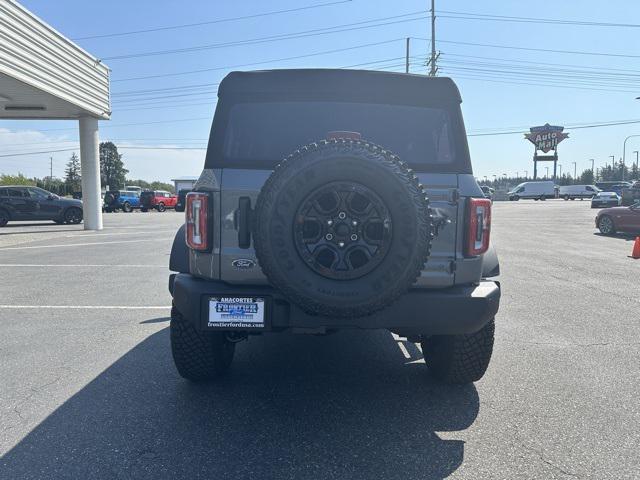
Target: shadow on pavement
(347, 405)
(620, 236)
(156, 320)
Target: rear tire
(459, 359)
(566, 197)
(4, 217)
(126, 207)
(198, 356)
(161, 207)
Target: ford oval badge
(243, 263)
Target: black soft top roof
(340, 81)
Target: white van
(571, 192)
(535, 190)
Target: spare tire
(342, 228)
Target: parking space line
(89, 243)
(141, 232)
(20, 265)
(86, 307)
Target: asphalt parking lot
(88, 388)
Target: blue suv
(124, 200)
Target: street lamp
(575, 170)
(624, 151)
(526, 174)
(546, 175)
(613, 161)
(592, 165)
(560, 174)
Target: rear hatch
(146, 199)
(259, 134)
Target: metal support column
(90, 170)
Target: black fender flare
(490, 263)
(179, 259)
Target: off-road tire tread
(459, 359)
(373, 152)
(197, 356)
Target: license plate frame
(236, 312)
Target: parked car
(125, 200)
(571, 192)
(631, 195)
(533, 190)
(605, 199)
(180, 202)
(20, 203)
(619, 219)
(613, 186)
(158, 199)
(337, 235)
(488, 191)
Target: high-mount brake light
(478, 226)
(197, 221)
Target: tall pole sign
(545, 139)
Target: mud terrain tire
(355, 254)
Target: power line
(289, 36)
(512, 132)
(529, 49)
(595, 125)
(210, 22)
(133, 124)
(276, 60)
(506, 18)
(36, 153)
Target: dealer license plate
(236, 312)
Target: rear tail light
(197, 220)
(478, 226)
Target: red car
(619, 219)
(158, 199)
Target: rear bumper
(454, 310)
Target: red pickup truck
(158, 199)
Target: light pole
(613, 161)
(637, 172)
(546, 175)
(526, 174)
(592, 165)
(624, 151)
(575, 170)
(560, 174)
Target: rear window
(266, 132)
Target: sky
(503, 89)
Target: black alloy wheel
(343, 230)
(73, 216)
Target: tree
(18, 179)
(155, 185)
(587, 177)
(112, 171)
(72, 174)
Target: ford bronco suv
(125, 200)
(157, 199)
(335, 199)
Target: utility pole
(432, 62)
(575, 171)
(637, 173)
(50, 168)
(560, 174)
(406, 68)
(592, 165)
(526, 174)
